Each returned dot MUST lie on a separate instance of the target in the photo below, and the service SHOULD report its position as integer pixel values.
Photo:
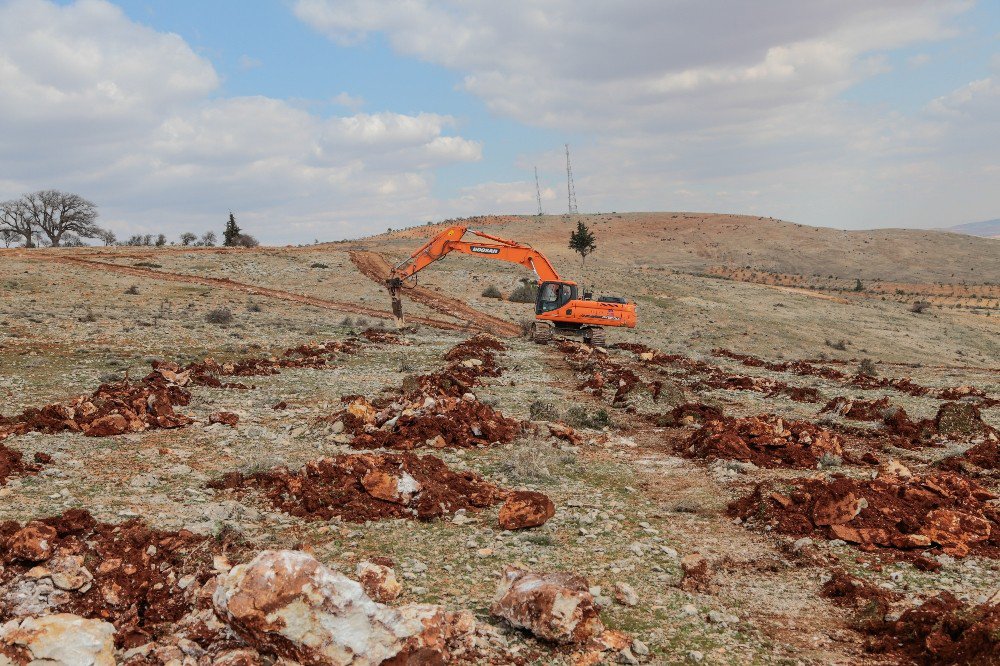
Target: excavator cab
(554, 295)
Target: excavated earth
(766, 441)
(361, 487)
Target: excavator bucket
(395, 286)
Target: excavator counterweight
(559, 309)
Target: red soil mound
(360, 487)
(382, 337)
(766, 441)
(689, 413)
(942, 630)
(943, 510)
(126, 574)
(11, 463)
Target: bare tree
(107, 237)
(8, 236)
(187, 238)
(56, 213)
(14, 217)
(208, 239)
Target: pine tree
(582, 240)
(231, 235)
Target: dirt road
(374, 266)
(225, 283)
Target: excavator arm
(450, 240)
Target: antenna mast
(538, 193)
(570, 187)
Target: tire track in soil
(375, 267)
(253, 290)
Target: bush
(245, 240)
(492, 292)
(318, 265)
(347, 322)
(147, 264)
(254, 307)
(867, 367)
(919, 307)
(840, 345)
(133, 290)
(541, 410)
(524, 293)
(219, 316)
(580, 417)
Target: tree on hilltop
(582, 241)
(232, 232)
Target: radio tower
(570, 187)
(538, 194)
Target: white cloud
(738, 103)
(92, 102)
(352, 102)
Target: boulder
(60, 640)
(557, 607)
(287, 603)
(378, 581)
(106, 426)
(837, 510)
(525, 508)
(390, 487)
(955, 530)
(225, 418)
(33, 543)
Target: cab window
(554, 295)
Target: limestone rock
(554, 606)
(61, 640)
(378, 581)
(33, 542)
(287, 603)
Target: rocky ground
(180, 486)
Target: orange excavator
(558, 306)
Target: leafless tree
(8, 237)
(107, 237)
(14, 218)
(56, 213)
(187, 238)
(208, 239)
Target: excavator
(559, 309)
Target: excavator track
(541, 333)
(595, 337)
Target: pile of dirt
(720, 379)
(12, 463)
(766, 441)
(943, 511)
(605, 374)
(140, 580)
(942, 630)
(113, 409)
(796, 367)
(309, 355)
(688, 413)
(370, 486)
(847, 590)
(442, 422)
(858, 409)
(381, 337)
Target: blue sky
(334, 118)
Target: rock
(61, 640)
(639, 648)
(554, 606)
(225, 418)
(362, 410)
(33, 542)
(799, 544)
(106, 426)
(287, 603)
(525, 508)
(68, 573)
(566, 433)
(894, 468)
(378, 581)
(625, 594)
(955, 530)
(837, 511)
(385, 486)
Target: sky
(330, 119)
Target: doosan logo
(485, 250)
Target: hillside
(695, 242)
(985, 229)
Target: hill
(695, 242)
(986, 229)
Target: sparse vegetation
(317, 264)
(579, 416)
(133, 290)
(542, 410)
(525, 292)
(839, 345)
(919, 307)
(219, 316)
(492, 291)
(867, 367)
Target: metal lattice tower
(538, 194)
(570, 187)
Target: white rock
(62, 640)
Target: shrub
(540, 410)
(133, 290)
(840, 345)
(919, 307)
(867, 367)
(524, 293)
(347, 322)
(579, 416)
(147, 264)
(318, 265)
(219, 316)
(89, 318)
(254, 307)
(492, 292)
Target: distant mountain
(987, 229)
